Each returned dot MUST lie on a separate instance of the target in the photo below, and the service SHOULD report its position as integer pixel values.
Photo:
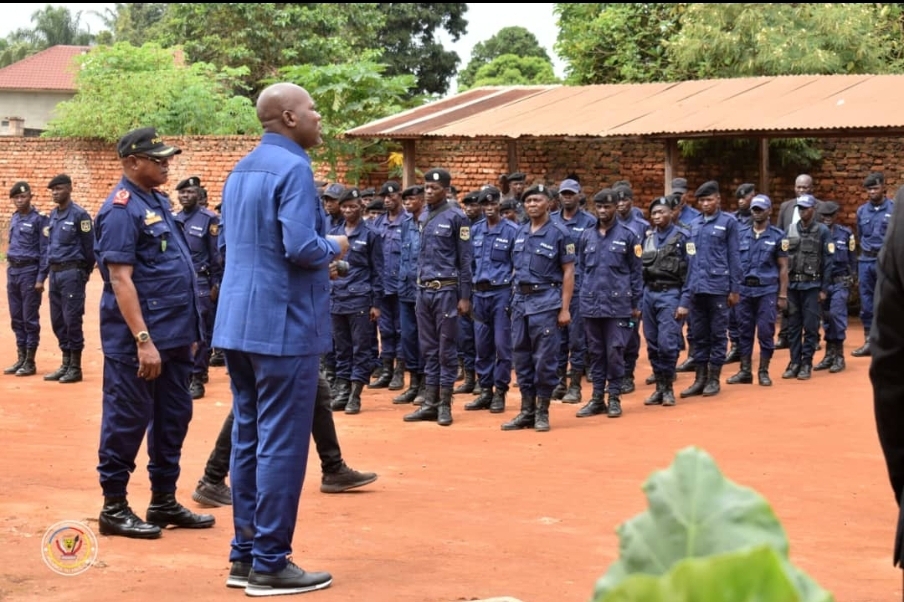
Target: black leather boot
(165, 510)
(713, 386)
(340, 399)
(385, 377)
(651, 379)
(398, 376)
(429, 410)
(863, 350)
(497, 406)
(614, 405)
(421, 391)
(196, 387)
(353, 406)
(828, 359)
(573, 394)
(561, 387)
(655, 398)
(806, 371)
(688, 365)
(444, 411)
(525, 418)
(74, 373)
(762, 374)
(596, 405)
(668, 395)
(791, 371)
(698, 385)
(483, 402)
(744, 376)
(733, 355)
(461, 370)
(627, 384)
(20, 359)
(217, 359)
(28, 367)
(414, 381)
(838, 362)
(541, 418)
(64, 367)
(117, 518)
(467, 386)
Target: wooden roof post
(764, 166)
(671, 163)
(409, 156)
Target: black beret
(60, 180)
(471, 198)
(874, 179)
(187, 182)
(623, 192)
(489, 194)
(707, 189)
(390, 187)
(349, 194)
(679, 185)
(605, 196)
(368, 192)
(438, 175)
(145, 141)
(664, 201)
(412, 191)
(744, 189)
(508, 205)
(376, 205)
(828, 208)
(537, 189)
(516, 177)
(19, 188)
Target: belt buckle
(433, 285)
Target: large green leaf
(751, 575)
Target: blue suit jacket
(275, 293)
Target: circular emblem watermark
(69, 548)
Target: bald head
(287, 109)
(803, 184)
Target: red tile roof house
(31, 89)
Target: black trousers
(324, 432)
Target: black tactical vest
(665, 265)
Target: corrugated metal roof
(788, 105)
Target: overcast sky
(484, 20)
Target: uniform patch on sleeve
(691, 248)
(830, 248)
(638, 250)
(464, 233)
(85, 225)
(852, 244)
(569, 248)
(214, 229)
(122, 197)
(786, 244)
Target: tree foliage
(121, 87)
(52, 26)
(516, 40)
(512, 70)
(136, 23)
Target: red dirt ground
(458, 513)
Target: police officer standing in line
(413, 201)
(516, 182)
(493, 239)
(389, 227)
(873, 218)
(355, 303)
(684, 215)
(835, 308)
(330, 197)
(664, 259)
(573, 344)
(608, 259)
(70, 260)
(444, 294)
(149, 321)
(809, 274)
(764, 289)
(24, 283)
(632, 217)
(508, 209)
(202, 229)
(543, 256)
(788, 214)
(714, 280)
(744, 194)
(467, 352)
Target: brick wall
(95, 169)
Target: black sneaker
(344, 479)
(290, 580)
(238, 574)
(212, 494)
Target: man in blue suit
(275, 288)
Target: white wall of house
(36, 107)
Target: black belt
(20, 263)
(529, 288)
(804, 278)
(66, 265)
(752, 281)
(662, 286)
(865, 253)
(843, 279)
(435, 285)
(486, 285)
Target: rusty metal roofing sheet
(779, 104)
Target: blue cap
(569, 186)
(806, 201)
(761, 201)
(333, 191)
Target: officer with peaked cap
(467, 352)
(330, 197)
(517, 181)
(834, 308)
(683, 215)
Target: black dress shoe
(291, 580)
(116, 518)
(165, 510)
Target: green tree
(508, 40)
(121, 87)
(133, 22)
(52, 27)
(512, 70)
(348, 95)
(408, 40)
